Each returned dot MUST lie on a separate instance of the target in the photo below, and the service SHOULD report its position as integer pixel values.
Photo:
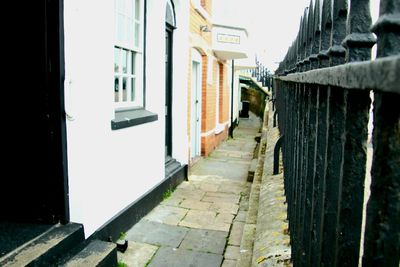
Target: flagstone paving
(201, 223)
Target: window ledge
(219, 128)
(129, 118)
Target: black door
(168, 91)
(33, 187)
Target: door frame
(40, 181)
(196, 93)
(55, 75)
(168, 88)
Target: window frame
(134, 45)
(135, 115)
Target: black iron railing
(322, 91)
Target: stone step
(96, 253)
(47, 248)
(171, 167)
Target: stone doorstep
(53, 244)
(97, 253)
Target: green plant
(167, 194)
(122, 235)
(122, 264)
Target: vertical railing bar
(321, 137)
(336, 139)
(304, 169)
(298, 171)
(382, 232)
(311, 158)
(290, 150)
(320, 174)
(293, 157)
(358, 43)
(334, 175)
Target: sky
(272, 25)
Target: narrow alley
(202, 133)
(219, 216)
(201, 222)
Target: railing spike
(300, 45)
(337, 51)
(359, 39)
(310, 28)
(304, 39)
(316, 35)
(381, 242)
(326, 29)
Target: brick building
(213, 48)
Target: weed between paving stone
(167, 194)
(122, 264)
(148, 262)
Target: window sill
(129, 118)
(219, 128)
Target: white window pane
(130, 31)
(116, 59)
(133, 62)
(124, 87)
(120, 28)
(137, 9)
(117, 5)
(137, 31)
(133, 88)
(116, 89)
(124, 61)
(127, 63)
(122, 6)
(129, 8)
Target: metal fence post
(382, 234)
(358, 42)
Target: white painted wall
(180, 139)
(108, 170)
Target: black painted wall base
(128, 217)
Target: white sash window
(128, 54)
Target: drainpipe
(232, 89)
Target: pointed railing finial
(359, 39)
(387, 28)
(337, 51)
(317, 35)
(326, 29)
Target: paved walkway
(201, 222)
(272, 242)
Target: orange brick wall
(208, 120)
(209, 143)
(208, 101)
(207, 5)
(196, 20)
